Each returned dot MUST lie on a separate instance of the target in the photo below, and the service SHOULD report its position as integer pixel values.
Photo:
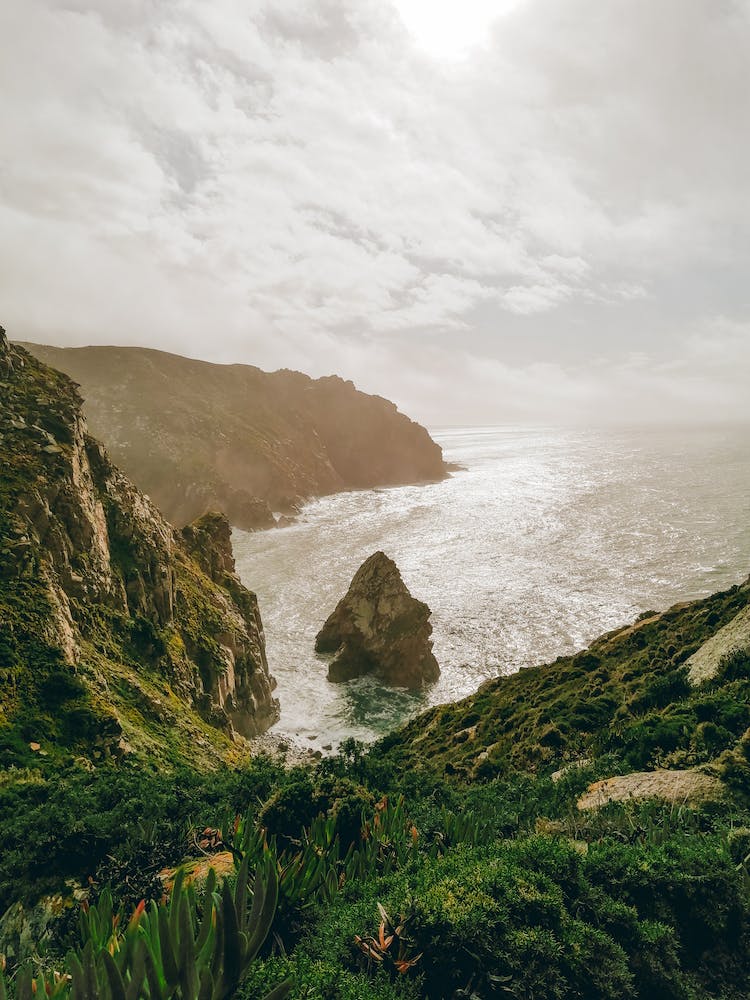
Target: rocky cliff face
(199, 437)
(378, 627)
(107, 614)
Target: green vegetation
(626, 697)
(496, 888)
(186, 947)
(451, 860)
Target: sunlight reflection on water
(546, 540)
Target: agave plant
(463, 828)
(246, 839)
(183, 948)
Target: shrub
(303, 798)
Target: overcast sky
(520, 210)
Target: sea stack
(379, 628)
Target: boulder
(209, 541)
(6, 358)
(734, 637)
(379, 628)
(689, 787)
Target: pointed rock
(379, 628)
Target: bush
(305, 796)
(544, 919)
(52, 830)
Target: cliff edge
(116, 632)
(197, 436)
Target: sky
(531, 211)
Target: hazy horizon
(523, 211)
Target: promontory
(197, 437)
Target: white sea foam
(548, 539)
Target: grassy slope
(626, 696)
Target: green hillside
(627, 699)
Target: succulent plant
(184, 948)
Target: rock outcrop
(104, 608)
(198, 437)
(379, 628)
(689, 787)
(734, 637)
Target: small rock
(568, 768)
(706, 661)
(196, 871)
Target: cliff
(116, 632)
(198, 436)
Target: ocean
(546, 539)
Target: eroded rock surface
(91, 569)
(681, 787)
(379, 628)
(733, 637)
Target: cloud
(300, 184)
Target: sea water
(546, 539)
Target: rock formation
(105, 611)
(378, 627)
(198, 437)
(734, 637)
(686, 787)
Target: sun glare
(449, 29)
